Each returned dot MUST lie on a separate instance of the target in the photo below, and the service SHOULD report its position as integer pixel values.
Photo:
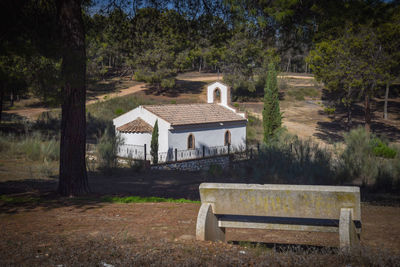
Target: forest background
(54, 49)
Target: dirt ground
(30, 235)
(38, 225)
(87, 232)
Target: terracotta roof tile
(185, 114)
(136, 126)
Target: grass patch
(107, 110)
(18, 200)
(254, 129)
(301, 93)
(137, 199)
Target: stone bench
(280, 207)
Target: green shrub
(282, 83)
(368, 158)
(168, 83)
(289, 160)
(384, 180)
(380, 149)
(119, 111)
(35, 147)
(107, 148)
(357, 159)
(329, 110)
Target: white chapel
(184, 127)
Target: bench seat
(280, 207)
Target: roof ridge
(137, 125)
(182, 104)
(194, 113)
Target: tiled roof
(136, 126)
(185, 114)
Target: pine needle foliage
(154, 143)
(272, 116)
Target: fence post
(229, 148)
(145, 152)
(176, 154)
(258, 148)
(204, 151)
(251, 153)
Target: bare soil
(51, 230)
(35, 234)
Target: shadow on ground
(167, 184)
(31, 193)
(333, 130)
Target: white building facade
(185, 130)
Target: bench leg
(207, 225)
(347, 231)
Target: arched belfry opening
(218, 93)
(217, 96)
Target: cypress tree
(154, 143)
(272, 117)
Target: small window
(191, 141)
(227, 141)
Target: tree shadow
(393, 107)
(96, 89)
(27, 195)
(332, 131)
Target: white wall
(134, 139)
(150, 118)
(209, 137)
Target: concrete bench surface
(279, 207)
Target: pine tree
(272, 117)
(154, 143)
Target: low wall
(194, 165)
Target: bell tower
(216, 89)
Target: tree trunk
(1, 100)
(385, 115)
(367, 108)
(73, 177)
(349, 116)
(349, 106)
(12, 98)
(200, 62)
(288, 65)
